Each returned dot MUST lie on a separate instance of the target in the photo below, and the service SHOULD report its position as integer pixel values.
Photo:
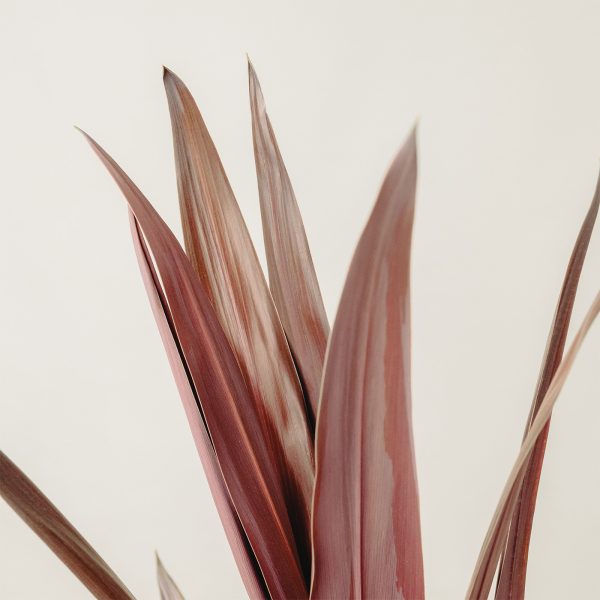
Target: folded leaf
(234, 424)
(513, 566)
(493, 544)
(292, 276)
(222, 254)
(366, 523)
(166, 585)
(240, 546)
(61, 537)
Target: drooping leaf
(366, 524)
(61, 537)
(168, 588)
(493, 544)
(513, 566)
(220, 249)
(240, 546)
(249, 467)
(292, 276)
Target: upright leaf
(222, 254)
(61, 537)
(240, 546)
(292, 276)
(513, 566)
(366, 524)
(168, 588)
(250, 469)
(481, 582)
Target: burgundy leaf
(513, 566)
(366, 524)
(489, 555)
(242, 552)
(292, 276)
(60, 536)
(248, 465)
(222, 254)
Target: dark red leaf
(240, 546)
(60, 536)
(250, 470)
(292, 276)
(222, 254)
(513, 566)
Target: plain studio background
(507, 99)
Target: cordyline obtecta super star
(304, 433)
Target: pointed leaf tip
(167, 586)
(366, 523)
(513, 564)
(219, 247)
(234, 421)
(292, 278)
(60, 536)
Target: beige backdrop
(508, 100)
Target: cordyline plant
(305, 435)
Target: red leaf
(513, 566)
(60, 536)
(292, 276)
(493, 543)
(222, 254)
(366, 524)
(242, 552)
(249, 467)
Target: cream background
(508, 98)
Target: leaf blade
(222, 254)
(366, 523)
(489, 555)
(238, 541)
(513, 566)
(292, 276)
(232, 419)
(58, 534)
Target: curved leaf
(61, 537)
(489, 555)
(513, 566)
(292, 276)
(233, 420)
(366, 523)
(240, 546)
(221, 252)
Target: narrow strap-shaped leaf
(489, 555)
(233, 422)
(168, 588)
(222, 254)
(240, 546)
(366, 523)
(513, 566)
(61, 537)
(292, 276)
